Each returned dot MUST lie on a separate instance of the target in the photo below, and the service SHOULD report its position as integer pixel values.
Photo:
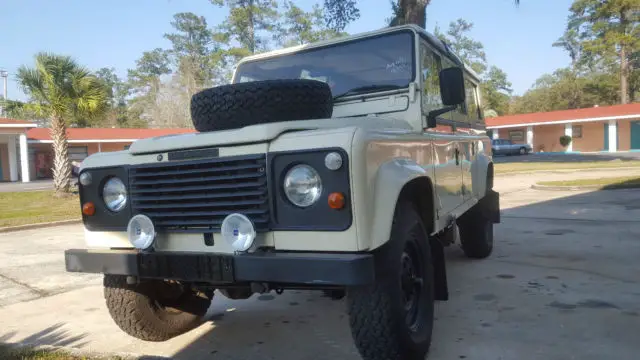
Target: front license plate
(187, 267)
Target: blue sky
(115, 33)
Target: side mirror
(452, 86)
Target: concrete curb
(39, 225)
(578, 187)
(561, 171)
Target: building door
(635, 135)
(606, 138)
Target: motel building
(26, 151)
(597, 129)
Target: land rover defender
(343, 166)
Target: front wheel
(393, 318)
(154, 310)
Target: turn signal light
(336, 200)
(89, 209)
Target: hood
(258, 133)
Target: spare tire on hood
(260, 102)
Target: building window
(516, 135)
(576, 131)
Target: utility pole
(4, 74)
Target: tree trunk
(61, 165)
(414, 11)
(624, 76)
(251, 27)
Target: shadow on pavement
(53, 335)
(562, 277)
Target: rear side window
(473, 110)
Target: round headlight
(85, 179)
(302, 185)
(114, 194)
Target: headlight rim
(124, 204)
(286, 175)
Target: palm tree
(61, 90)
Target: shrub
(565, 140)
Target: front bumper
(283, 268)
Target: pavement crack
(604, 276)
(39, 292)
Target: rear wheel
(154, 310)
(523, 151)
(393, 318)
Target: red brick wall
(547, 138)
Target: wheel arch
(397, 180)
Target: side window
(431, 66)
(472, 101)
(461, 113)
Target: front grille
(196, 196)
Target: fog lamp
(141, 232)
(238, 231)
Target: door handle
(457, 157)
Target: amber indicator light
(336, 200)
(89, 209)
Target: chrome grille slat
(196, 195)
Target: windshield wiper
(366, 89)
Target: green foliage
(58, 87)
(247, 23)
(470, 51)
(299, 27)
(609, 34)
(568, 89)
(339, 13)
(565, 140)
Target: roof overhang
(32, 141)
(13, 126)
(559, 122)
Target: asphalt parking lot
(562, 283)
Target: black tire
(334, 294)
(523, 151)
(139, 312)
(238, 105)
(380, 315)
(476, 233)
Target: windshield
(385, 61)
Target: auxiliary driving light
(238, 231)
(141, 232)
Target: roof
(104, 134)
(600, 113)
(5, 122)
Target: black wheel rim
(412, 284)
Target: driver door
(446, 151)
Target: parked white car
(344, 166)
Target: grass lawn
(503, 168)
(32, 207)
(7, 353)
(627, 182)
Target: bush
(565, 140)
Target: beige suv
(344, 166)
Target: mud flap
(440, 286)
(490, 206)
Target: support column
(530, 136)
(13, 159)
(613, 135)
(568, 130)
(496, 134)
(24, 157)
(99, 147)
